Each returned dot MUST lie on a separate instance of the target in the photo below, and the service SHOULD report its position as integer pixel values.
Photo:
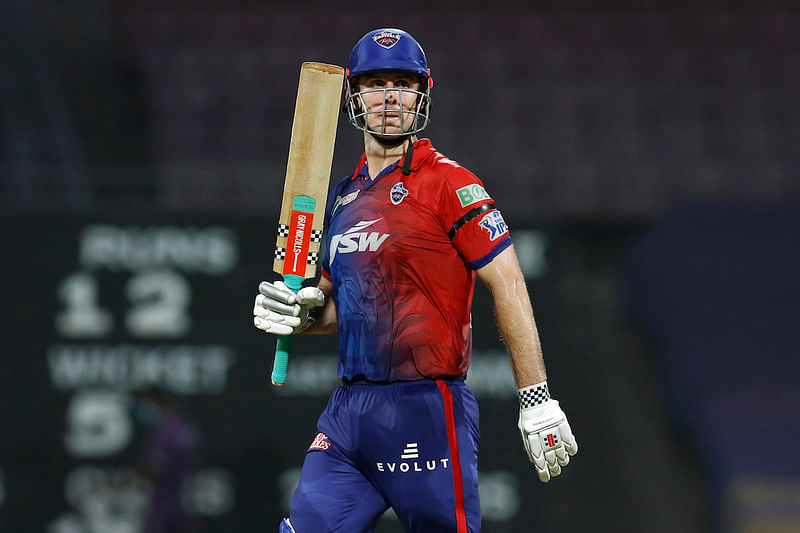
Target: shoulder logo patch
(472, 194)
(398, 193)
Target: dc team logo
(386, 39)
(320, 442)
(398, 193)
(493, 223)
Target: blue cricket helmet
(382, 50)
(387, 49)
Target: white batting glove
(545, 431)
(280, 311)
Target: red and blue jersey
(401, 251)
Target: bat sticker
(299, 236)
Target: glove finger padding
(266, 314)
(570, 444)
(268, 303)
(555, 468)
(277, 291)
(552, 447)
(274, 323)
(310, 297)
(561, 456)
(277, 297)
(533, 446)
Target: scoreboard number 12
(157, 306)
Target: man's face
(387, 95)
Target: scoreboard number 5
(158, 302)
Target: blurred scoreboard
(99, 307)
(95, 307)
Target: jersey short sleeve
(473, 222)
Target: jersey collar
(422, 150)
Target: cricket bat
(305, 190)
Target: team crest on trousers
(386, 39)
(398, 193)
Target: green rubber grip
(284, 341)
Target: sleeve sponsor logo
(472, 194)
(493, 223)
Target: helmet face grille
(412, 121)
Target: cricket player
(407, 234)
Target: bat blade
(305, 190)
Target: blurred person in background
(407, 234)
(168, 458)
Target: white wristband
(533, 395)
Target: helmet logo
(386, 39)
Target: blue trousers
(411, 446)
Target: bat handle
(284, 341)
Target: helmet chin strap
(407, 159)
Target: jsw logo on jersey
(356, 240)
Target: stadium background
(643, 157)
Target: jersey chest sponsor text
(357, 239)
